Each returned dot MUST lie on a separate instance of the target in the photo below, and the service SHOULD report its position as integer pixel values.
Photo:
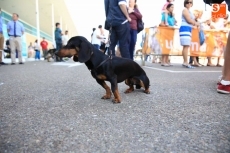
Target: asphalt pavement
(56, 107)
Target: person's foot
(196, 65)
(12, 63)
(225, 89)
(2, 63)
(218, 65)
(188, 66)
(169, 64)
(210, 64)
(21, 63)
(166, 65)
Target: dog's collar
(110, 57)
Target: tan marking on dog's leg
(131, 88)
(147, 91)
(127, 81)
(101, 76)
(142, 84)
(108, 92)
(117, 97)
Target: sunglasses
(188, 2)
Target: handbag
(201, 36)
(140, 25)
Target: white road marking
(182, 71)
(67, 64)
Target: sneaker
(2, 63)
(225, 89)
(21, 63)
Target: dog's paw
(116, 101)
(147, 91)
(106, 97)
(129, 90)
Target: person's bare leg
(163, 60)
(210, 62)
(226, 68)
(218, 62)
(224, 84)
(185, 54)
(167, 60)
(195, 61)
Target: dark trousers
(133, 40)
(37, 54)
(120, 33)
(58, 47)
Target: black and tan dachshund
(106, 68)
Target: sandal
(166, 65)
(212, 65)
(197, 65)
(188, 66)
(218, 65)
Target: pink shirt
(164, 7)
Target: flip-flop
(188, 66)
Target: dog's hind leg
(107, 89)
(130, 84)
(144, 82)
(114, 88)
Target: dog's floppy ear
(85, 51)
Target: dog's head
(79, 47)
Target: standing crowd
(122, 23)
(15, 30)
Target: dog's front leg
(114, 87)
(106, 87)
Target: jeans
(58, 47)
(133, 39)
(37, 54)
(96, 46)
(120, 33)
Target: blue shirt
(170, 19)
(19, 28)
(114, 15)
(1, 23)
(57, 34)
